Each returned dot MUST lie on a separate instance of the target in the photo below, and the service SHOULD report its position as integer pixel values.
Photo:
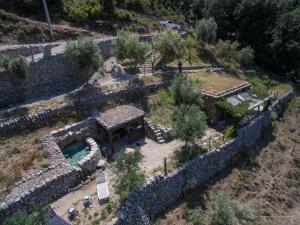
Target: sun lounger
(102, 187)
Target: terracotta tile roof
(118, 116)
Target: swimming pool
(75, 152)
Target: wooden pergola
(127, 117)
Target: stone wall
(27, 49)
(89, 163)
(54, 114)
(49, 184)
(160, 192)
(49, 75)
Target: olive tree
(189, 123)
(182, 91)
(169, 45)
(128, 47)
(17, 66)
(227, 49)
(245, 56)
(83, 54)
(206, 30)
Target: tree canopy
(189, 123)
(130, 47)
(206, 30)
(182, 91)
(84, 54)
(169, 45)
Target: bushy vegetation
(206, 30)
(182, 91)
(245, 56)
(229, 132)
(223, 211)
(84, 55)
(189, 123)
(186, 153)
(82, 10)
(269, 27)
(234, 113)
(227, 49)
(169, 45)
(17, 66)
(230, 51)
(39, 216)
(128, 47)
(194, 215)
(130, 175)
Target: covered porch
(125, 121)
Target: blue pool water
(76, 152)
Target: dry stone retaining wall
(49, 75)
(49, 184)
(54, 114)
(160, 192)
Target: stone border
(51, 183)
(159, 192)
(89, 163)
(54, 114)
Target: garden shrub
(235, 113)
(206, 30)
(245, 56)
(127, 182)
(186, 153)
(182, 91)
(227, 49)
(195, 215)
(169, 45)
(39, 216)
(229, 132)
(223, 210)
(189, 123)
(83, 54)
(130, 175)
(17, 66)
(268, 82)
(125, 162)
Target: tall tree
(189, 123)
(206, 30)
(170, 45)
(286, 42)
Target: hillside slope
(269, 183)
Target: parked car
(170, 24)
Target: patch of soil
(23, 153)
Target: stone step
(161, 141)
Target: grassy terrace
(160, 106)
(216, 82)
(213, 82)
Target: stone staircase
(146, 67)
(156, 132)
